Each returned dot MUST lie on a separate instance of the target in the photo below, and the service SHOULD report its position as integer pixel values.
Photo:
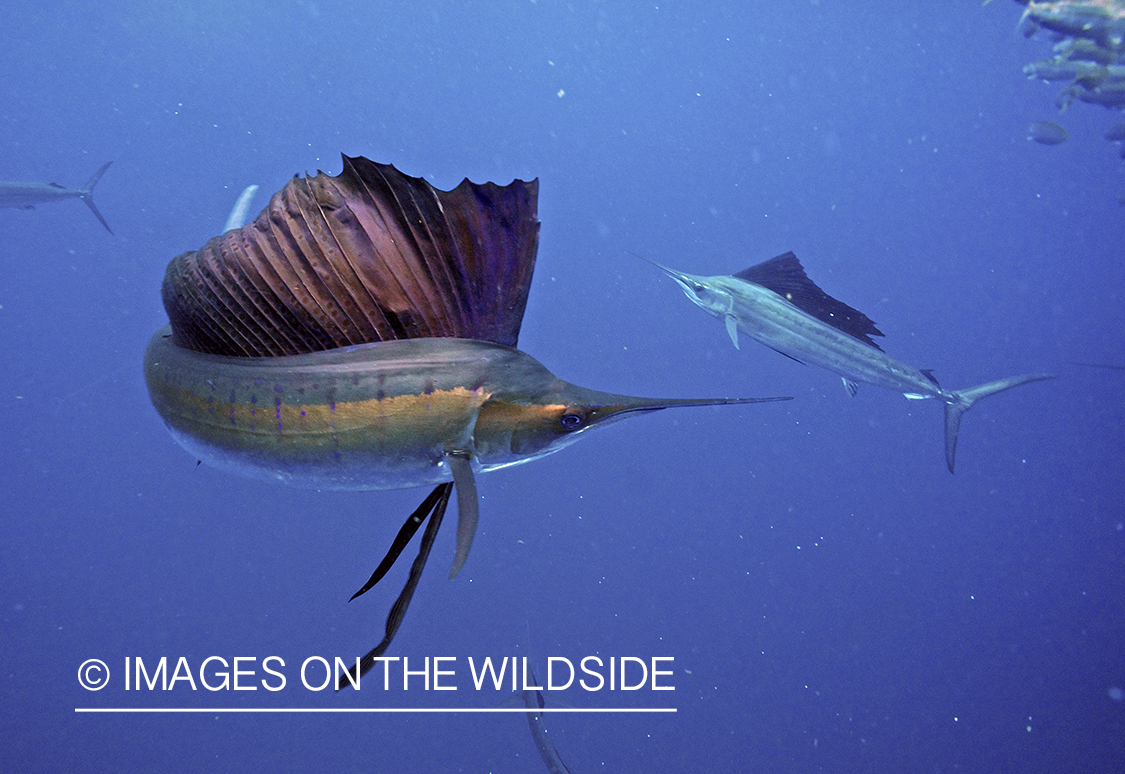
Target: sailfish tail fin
(963, 400)
(88, 194)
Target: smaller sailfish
(775, 303)
(27, 196)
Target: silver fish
(776, 304)
(26, 196)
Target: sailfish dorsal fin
(369, 255)
(785, 276)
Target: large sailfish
(361, 334)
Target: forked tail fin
(88, 191)
(965, 400)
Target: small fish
(1047, 133)
(1083, 50)
(26, 196)
(1060, 69)
(1111, 96)
(1095, 21)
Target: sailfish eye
(572, 419)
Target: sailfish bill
(776, 304)
(361, 333)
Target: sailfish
(361, 333)
(776, 304)
(26, 196)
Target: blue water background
(834, 599)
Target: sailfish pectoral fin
(437, 502)
(468, 507)
(732, 329)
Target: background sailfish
(27, 196)
(360, 334)
(776, 304)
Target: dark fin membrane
(413, 522)
(435, 506)
(369, 255)
(785, 276)
(929, 374)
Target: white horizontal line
(371, 709)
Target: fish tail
(963, 400)
(88, 192)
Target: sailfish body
(776, 304)
(361, 333)
(385, 415)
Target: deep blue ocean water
(833, 599)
